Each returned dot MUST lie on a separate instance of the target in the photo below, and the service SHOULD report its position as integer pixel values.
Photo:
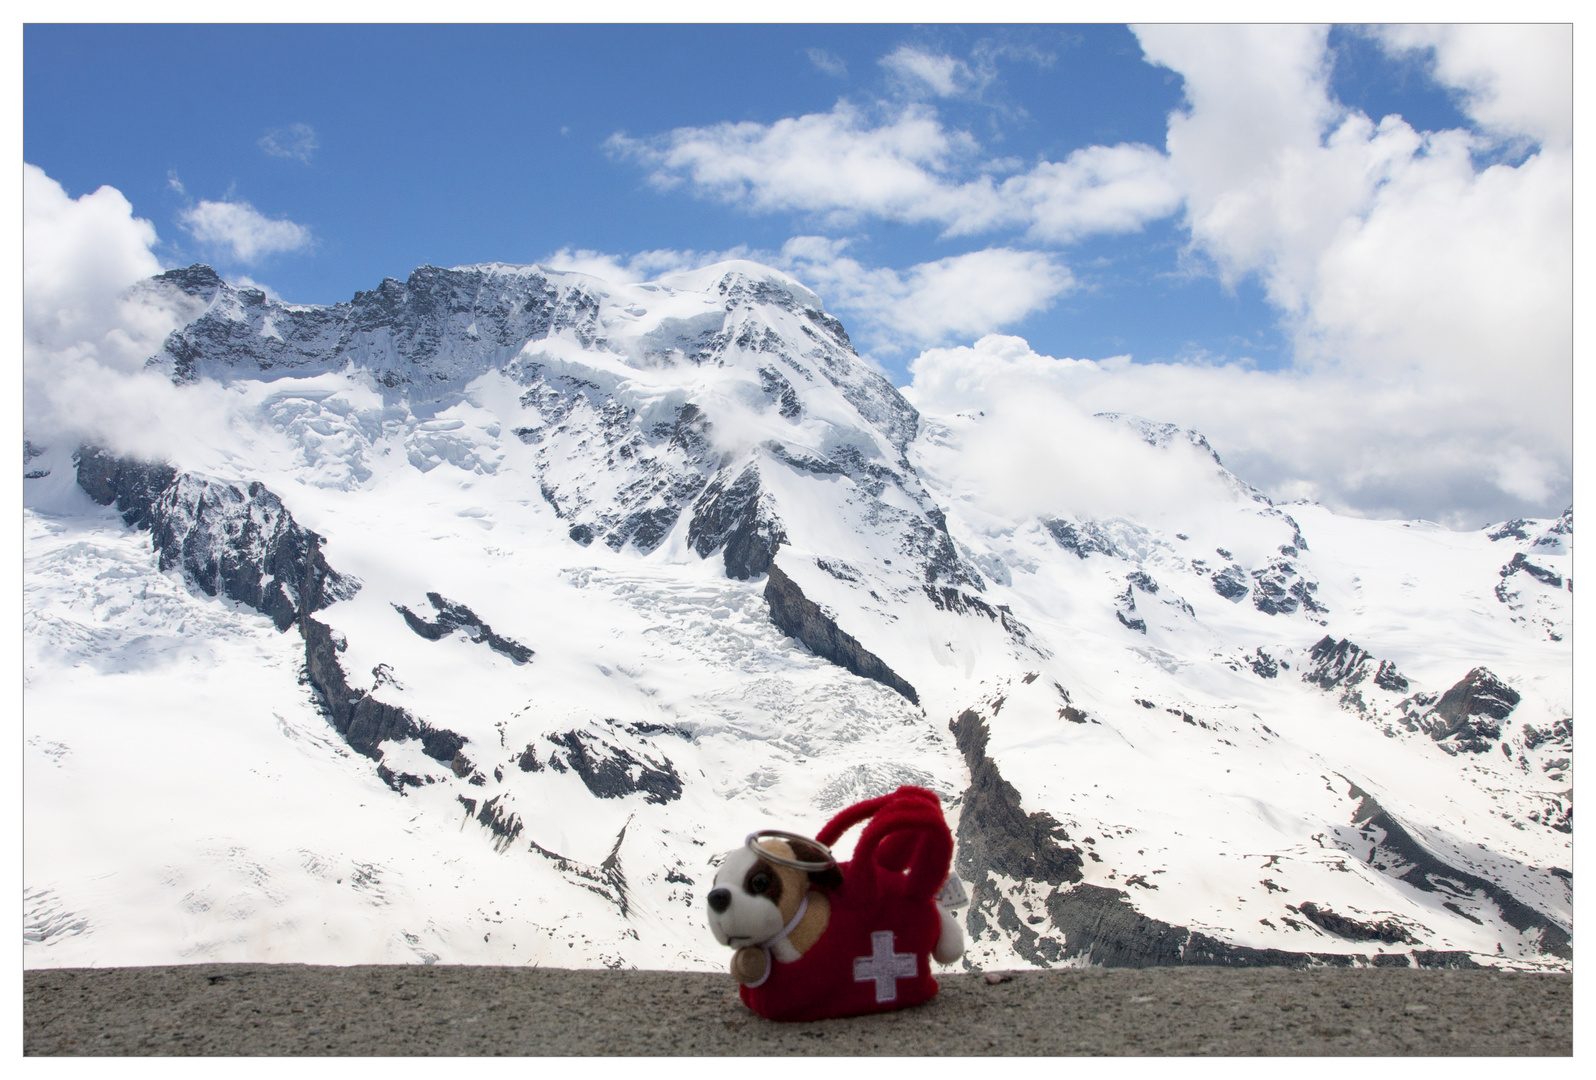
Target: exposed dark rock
(1510, 530)
(737, 519)
(1388, 930)
(454, 616)
(503, 824)
(1534, 570)
(778, 389)
(1442, 958)
(1280, 589)
(1231, 583)
(1083, 539)
(1468, 716)
(611, 772)
(995, 832)
(1125, 608)
(1404, 858)
(947, 598)
(1142, 581)
(29, 452)
(239, 542)
(1102, 927)
(363, 721)
(997, 835)
(606, 880)
(1139, 625)
(131, 484)
(799, 617)
(1263, 665)
(1342, 664)
(399, 781)
(1561, 733)
(242, 543)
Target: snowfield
(629, 571)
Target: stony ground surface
(251, 1009)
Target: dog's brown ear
(829, 878)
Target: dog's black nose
(719, 900)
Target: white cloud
(78, 255)
(1390, 254)
(88, 328)
(906, 168)
(641, 266)
(916, 69)
(238, 226)
(1376, 445)
(1516, 80)
(1097, 189)
(297, 141)
(962, 295)
(829, 63)
(886, 309)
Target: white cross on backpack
(884, 967)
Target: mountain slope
(528, 594)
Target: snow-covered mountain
(517, 596)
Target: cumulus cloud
(89, 326)
(246, 233)
(296, 141)
(1361, 443)
(1388, 251)
(78, 255)
(907, 167)
(1516, 80)
(961, 295)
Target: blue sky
(463, 144)
(1031, 174)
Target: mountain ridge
(725, 573)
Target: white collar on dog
(780, 935)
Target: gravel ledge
(281, 1009)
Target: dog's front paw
(748, 964)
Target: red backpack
(875, 953)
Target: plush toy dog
(815, 939)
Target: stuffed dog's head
(754, 898)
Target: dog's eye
(759, 883)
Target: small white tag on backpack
(952, 894)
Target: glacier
(516, 597)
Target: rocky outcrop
(239, 541)
(1231, 583)
(997, 837)
(995, 832)
(363, 721)
(1280, 589)
(1398, 854)
(801, 618)
(1342, 664)
(1469, 716)
(1388, 930)
(1103, 928)
(454, 616)
(233, 540)
(434, 331)
(610, 771)
(1520, 563)
(736, 519)
(1080, 538)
